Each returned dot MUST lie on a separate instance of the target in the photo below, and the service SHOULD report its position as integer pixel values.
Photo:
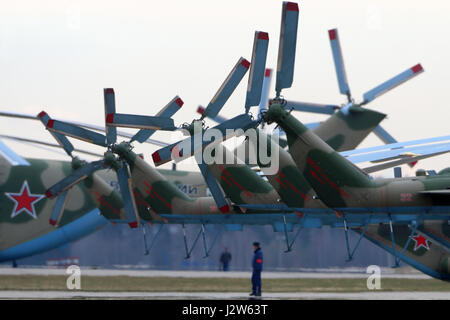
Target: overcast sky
(59, 55)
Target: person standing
(257, 264)
(225, 259)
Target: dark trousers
(256, 281)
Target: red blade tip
(156, 157)
(200, 109)
(268, 73)
(291, 6)
(225, 208)
(42, 114)
(417, 68)
(263, 35)
(179, 102)
(109, 90)
(332, 34)
(52, 222)
(245, 63)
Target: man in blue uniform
(257, 263)
(225, 259)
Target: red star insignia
(24, 201)
(421, 241)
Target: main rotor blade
(384, 135)
(311, 107)
(110, 108)
(81, 124)
(287, 46)
(392, 83)
(75, 177)
(339, 63)
(218, 119)
(227, 88)
(73, 131)
(126, 190)
(213, 186)
(186, 148)
(257, 68)
(47, 144)
(141, 122)
(168, 111)
(61, 139)
(58, 209)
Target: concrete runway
(224, 295)
(385, 273)
(367, 295)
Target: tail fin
(422, 252)
(346, 129)
(288, 181)
(333, 177)
(239, 182)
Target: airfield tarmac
(16, 293)
(401, 295)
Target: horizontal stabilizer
(13, 158)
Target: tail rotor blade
(126, 191)
(61, 139)
(311, 107)
(257, 70)
(58, 209)
(73, 131)
(168, 111)
(74, 178)
(218, 119)
(339, 63)
(110, 109)
(384, 135)
(194, 144)
(265, 90)
(227, 88)
(392, 83)
(287, 46)
(213, 186)
(141, 122)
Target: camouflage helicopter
(158, 201)
(147, 195)
(26, 212)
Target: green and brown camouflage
(339, 183)
(417, 249)
(347, 128)
(155, 195)
(17, 225)
(99, 190)
(239, 182)
(342, 131)
(437, 229)
(290, 184)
